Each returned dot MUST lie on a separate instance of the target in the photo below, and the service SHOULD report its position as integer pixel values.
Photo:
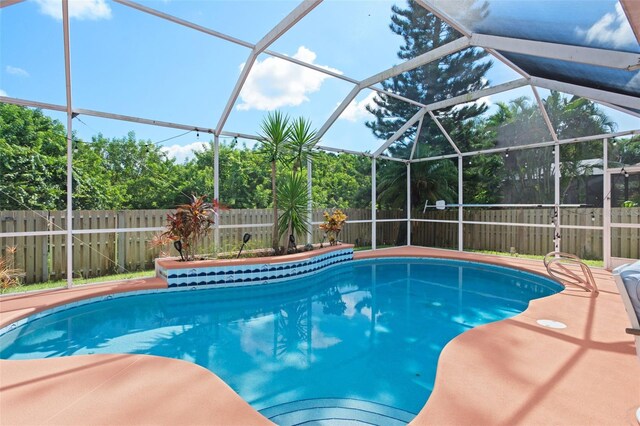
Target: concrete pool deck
(509, 372)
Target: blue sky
(128, 62)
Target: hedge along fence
(43, 258)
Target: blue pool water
(365, 332)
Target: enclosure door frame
(611, 262)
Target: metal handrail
(556, 263)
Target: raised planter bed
(247, 271)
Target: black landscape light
(292, 241)
(245, 239)
(178, 246)
(624, 172)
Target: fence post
(44, 250)
(373, 203)
(121, 246)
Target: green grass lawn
(361, 248)
(596, 263)
(79, 281)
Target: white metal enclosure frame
(492, 44)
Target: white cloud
(16, 71)
(78, 9)
(357, 111)
(3, 93)
(184, 152)
(612, 29)
(275, 83)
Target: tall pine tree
(450, 76)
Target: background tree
(453, 75)
(341, 181)
(32, 160)
(527, 176)
(625, 151)
(244, 180)
(142, 175)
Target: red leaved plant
(190, 224)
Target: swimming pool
(362, 337)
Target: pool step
(336, 411)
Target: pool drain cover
(551, 323)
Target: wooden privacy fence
(43, 258)
(586, 243)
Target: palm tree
(274, 134)
(300, 149)
(302, 140)
(575, 116)
(528, 174)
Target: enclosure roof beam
(544, 113)
(386, 157)
(246, 44)
(417, 116)
(472, 96)
(417, 138)
(425, 58)
(5, 3)
(342, 151)
(289, 21)
(32, 104)
(244, 74)
(283, 26)
(535, 145)
(339, 110)
(185, 23)
(584, 55)
(92, 113)
(443, 16)
(444, 132)
(129, 118)
(394, 95)
(427, 4)
(507, 62)
(311, 66)
(588, 92)
(338, 76)
(621, 109)
(467, 97)
(439, 157)
(139, 120)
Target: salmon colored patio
(510, 372)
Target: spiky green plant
(294, 209)
(302, 140)
(274, 134)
